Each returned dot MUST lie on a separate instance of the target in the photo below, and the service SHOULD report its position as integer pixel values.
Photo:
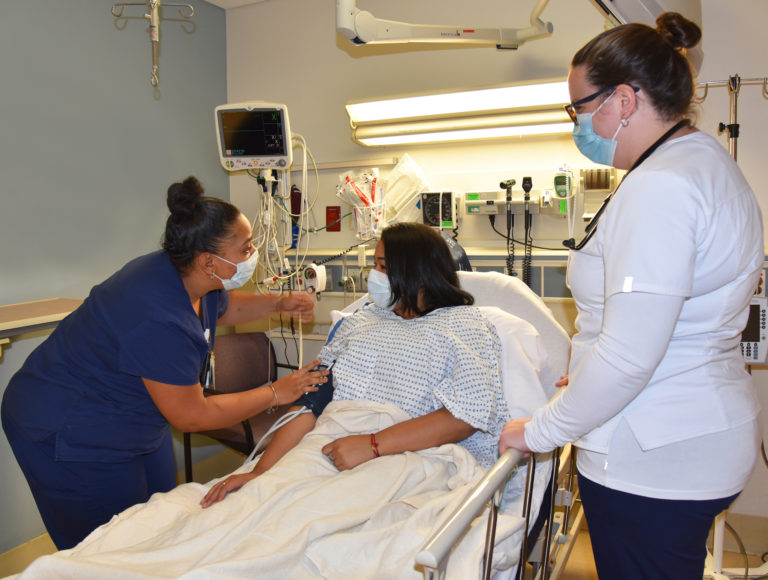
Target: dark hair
(419, 260)
(648, 58)
(196, 224)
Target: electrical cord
(343, 252)
(528, 225)
(528, 249)
(285, 341)
(510, 261)
(296, 344)
(273, 233)
(518, 241)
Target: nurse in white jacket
(659, 402)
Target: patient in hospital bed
(357, 491)
(417, 346)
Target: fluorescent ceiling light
(516, 110)
(467, 135)
(501, 98)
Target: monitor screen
(751, 332)
(253, 136)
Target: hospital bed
(334, 530)
(548, 536)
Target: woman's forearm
(188, 410)
(246, 307)
(285, 439)
(637, 328)
(431, 430)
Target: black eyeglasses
(571, 107)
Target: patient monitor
(754, 339)
(254, 135)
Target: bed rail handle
(435, 552)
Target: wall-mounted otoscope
(527, 186)
(508, 186)
(510, 224)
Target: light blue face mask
(379, 290)
(593, 146)
(243, 273)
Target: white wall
(735, 43)
(315, 72)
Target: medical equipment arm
(637, 329)
(362, 27)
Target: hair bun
(184, 198)
(678, 30)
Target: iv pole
(153, 15)
(714, 565)
(734, 84)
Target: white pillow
(522, 360)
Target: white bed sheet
(302, 519)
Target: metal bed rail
(434, 555)
(562, 527)
(556, 539)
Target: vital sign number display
(253, 135)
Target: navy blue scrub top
(83, 386)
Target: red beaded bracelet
(374, 445)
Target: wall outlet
(356, 279)
(364, 279)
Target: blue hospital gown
(447, 358)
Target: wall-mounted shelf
(16, 319)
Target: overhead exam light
(509, 111)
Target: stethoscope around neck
(591, 227)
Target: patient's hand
(220, 490)
(348, 452)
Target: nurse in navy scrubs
(88, 414)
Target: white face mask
(379, 290)
(243, 273)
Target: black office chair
(242, 361)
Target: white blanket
(302, 519)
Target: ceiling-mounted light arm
(362, 27)
(645, 11)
